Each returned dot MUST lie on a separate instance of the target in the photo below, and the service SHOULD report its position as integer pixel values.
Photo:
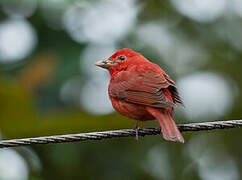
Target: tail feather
(168, 126)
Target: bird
(141, 90)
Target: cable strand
(117, 133)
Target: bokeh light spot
(12, 165)
(17, 40)
(202, 11)
(158, 163)
(103, 22)
(206, 95)
(19, 8)
(94, 96)
(212, 163)
(180, 53)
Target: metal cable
(117, 133)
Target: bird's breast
(133, 111)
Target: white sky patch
(17, 40)
(206, 96)
(12, 165)
(201, 10)
(103, 22)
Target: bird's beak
(105, 64)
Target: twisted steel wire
(118, 133)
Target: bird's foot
(136, 128)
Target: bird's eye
(122, 58)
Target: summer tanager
(141, 90)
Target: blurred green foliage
(30, 103)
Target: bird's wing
(174, 92)
(141, 88)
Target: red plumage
(141, 90)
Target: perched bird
(141, 90)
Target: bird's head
(121, 60)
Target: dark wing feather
(140, 88)
(175, 95)
(174, 92)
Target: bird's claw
(136, 128)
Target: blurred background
(49, 85)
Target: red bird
(141, 90)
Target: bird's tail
(168, 126)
